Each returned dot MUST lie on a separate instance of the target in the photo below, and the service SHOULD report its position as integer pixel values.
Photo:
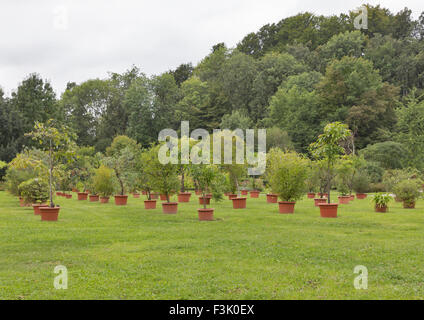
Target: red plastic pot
(328, 210)
(170, 207)
(121, 200)
(184, 196)
(205, 200)
(163, 197)
(311, 195)
(381, 209)
(149, 204)
(205, 214)
(154, 196)
(198, 192)
(361, 196)
(94, 198)
(254, 194)
(319, 200)
(232, 196)
(244, 192)
(352, 197)
(49, 214)
(75, 190)
(104, 199)
(409, 205)
(144, 193)
(271, 198)
(344, 199)
(239, 203)
(286, 207)
(82, 195)
(68, 196)
(37, 206)
(136, 195)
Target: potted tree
(328, 148)
(312, 180)
(361, 184)
(165, 177)
(146, 176)
(256, 186)
(408, 191)
(288, 172)
(236, 173)
(35, 191)
(121, 158)
(210, 178)
(56, 142)
(381, 200)
(103, 183)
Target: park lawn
(129, 253)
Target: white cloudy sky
(75, 40)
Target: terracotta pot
(58, 193)
(37, 206)
(184, 196)
(286, 207)
(104, 199)
(244, 192)
(328, 210)
(205, 214)
(239, 203)
(205, 200)
(271, 198)
(232, 196)
(136, 195)
(149, 204)
(22, 203)
(154, 196)
(144, 193)
(319, 200)
(254, 194)
(198, 192)
(68, 196)
(409, 205)
(344, 199)
(311, 195)
(163, 197)
(75, 190)
(121, 200)
(361, 196)
(82, 195)
(170, 207)
(381, 209)
(94, 198)
(352, 197)
(49, 214)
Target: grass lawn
(129, 253)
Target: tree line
(292, 77)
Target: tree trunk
(51, 175)
(182, 182)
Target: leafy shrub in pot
(408, 191)
(381, 200)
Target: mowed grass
(130, 253)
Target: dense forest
(292, 77)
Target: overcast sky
(77, 40)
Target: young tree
(327, 147)
(57, 142)
(209, 178)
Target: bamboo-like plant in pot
(56, 141)
(103, 183)
(381, 200)
(287, 176)
(328, 148)
(36, 192)
(210, 178)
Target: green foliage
(382, 199)
(408, 190)
(209, 179)
(287, 174)
(361, 182)
(34, 190)
(313, 178)
(103, 182)
(388, 154)
(278, 138)
(236, 120)
(392, 177)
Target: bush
(34, 190)
(14, 177)
(288, 172)
(361, 183)
(103, 182)
(408, 190)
